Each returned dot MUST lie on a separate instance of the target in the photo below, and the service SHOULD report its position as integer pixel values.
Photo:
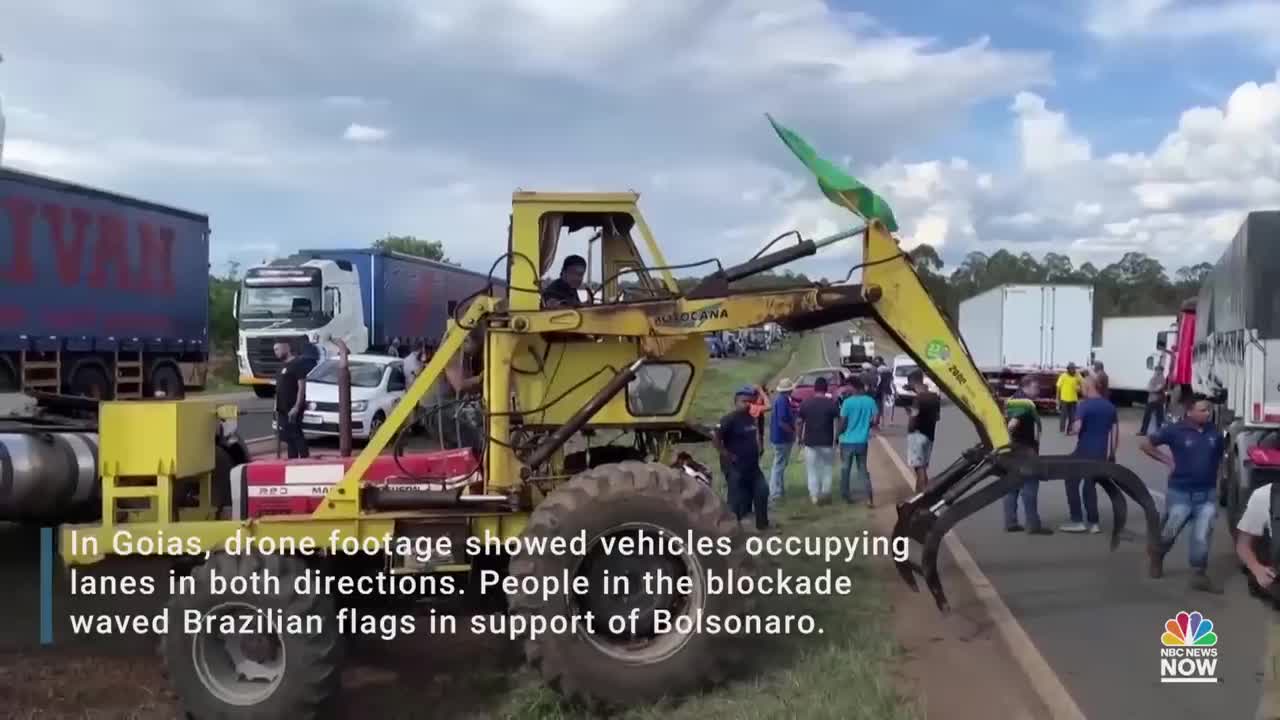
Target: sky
(1090, 128)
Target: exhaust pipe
(48, 477)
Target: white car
(377, 385)
(902, 367)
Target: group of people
(827, 425)
(1194, 450)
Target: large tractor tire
(602, 670)
(253, 677)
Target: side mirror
(1151, 363)
(235, 305)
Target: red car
(804, 383)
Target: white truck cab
(298, 302)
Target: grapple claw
(1119, 509)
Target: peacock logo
(1189, 630)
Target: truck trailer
(101, 295)
(371, 299)
(1016, 330)
(1129, 351)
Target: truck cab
(295, 300)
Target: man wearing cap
(782, 435)
(737, 440)
(1068, 396)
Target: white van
(902, 367)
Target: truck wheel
(264, 391)
(604, 669)
(91, 381)
(167, 380)
(252, 677)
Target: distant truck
(101, 295)
(1129, 354)
(371, 299)
(1017, 330)
(854, 350)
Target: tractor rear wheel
(233, 676)
(613, 669)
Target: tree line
(1136, 284)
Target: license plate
(308, 419)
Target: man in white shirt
(1255, 520)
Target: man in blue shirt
(1195, 449)
(857, 413)
(737, 439)
(1097, 434)
(782, 435)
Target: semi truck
(374, 300)
(101, 295)
(1129, 352)
(1017, 330)
(1226, 347)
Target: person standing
(1068, 389)
(1154, 410)
(1195, 449)
(883, 389)
(782, 435)
(1255, 522)
(817, 430)
(1097, 436)
(1024, 433)
(737, 440)
(857, 412)
(291, 397)
(925, 410)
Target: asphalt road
(1094, 614)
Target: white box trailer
(1029, 326)
(1127, 344)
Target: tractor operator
(563, 291)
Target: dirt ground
(956, 665)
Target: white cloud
(1044, 137)
(356, 132)
(1252, 21)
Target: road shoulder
(957, 666)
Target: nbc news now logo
(1189, 653)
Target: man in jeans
(1097, 435)
(782, 435)
(817, 430)
(1024, 432)
(857, 412)
(1154, 410)
(737, 438)
(1195, 448)
(1068, 389)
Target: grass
(844, 673)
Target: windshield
(363, 374)
(832, 378)
(280, 302)
(904, 370)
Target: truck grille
(262, 357)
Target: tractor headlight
(359, 405)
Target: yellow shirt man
(1069, 386)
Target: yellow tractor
(555, 381)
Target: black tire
(166, 379)
(92, 381)
(309, 676)
(609, 498)
(264, 391)
(375, 423)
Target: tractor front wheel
(649, 503)
(222, 672)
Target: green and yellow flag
(837, 185)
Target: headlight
(359, 406)
(311, 406)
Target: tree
(410, 245)
(925, 258)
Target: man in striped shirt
(1024, 431)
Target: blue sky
(1087, 127)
